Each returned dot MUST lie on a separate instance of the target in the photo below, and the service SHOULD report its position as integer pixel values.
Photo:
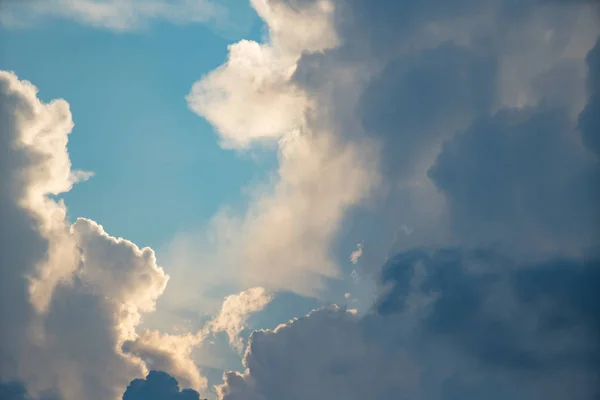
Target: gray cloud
(158, 386)
(470, 110)
(589, 119)
(449, 324)
(521, 178)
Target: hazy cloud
(118, 15)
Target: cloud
(13, 391)
(525, 172)
(176, 353)
(158, 386)
(71, 294)
(252, 97)
(462, 121)
(234, 313)
(355, 255)
(115, 15)
(360, 111)
(490, 328)
(589, 122)
(282, 239)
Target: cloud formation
(158, 386)
(448, 324)
(361, 111)
(282, 241)
(71, 294)
(472, 124)
(235, 312)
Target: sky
(293, 199)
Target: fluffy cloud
(282, 241)
(360, 112)
(449, 324)
(71, 294)
(158, 386)
(174, 353)
(252, 97)
(116, 15)
(465, 125)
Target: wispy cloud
(117, 15)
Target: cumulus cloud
(490, 329)
(359, 100)
(282, 241)
(252, 97)
(175, 353)
(71, 294)
(158, 386)
(465, 125)
(116, 15)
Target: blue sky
(299, 199)
(158, 167)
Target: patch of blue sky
(158, 166)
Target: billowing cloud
(174, 353)
(448, 324)
(282, 241)
(466, 132)
(158, 386)
(71, 294)
(361, 111)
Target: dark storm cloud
(158, 386)
(520, 173)
(13, 391)
(516, 317)
(589, 119)
(16, 391)
(419, 97)
(450, 324)
(437, 70)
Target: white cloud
(171, 354)
(70, 294)
(282, 240)
(250, 97)
(118, 15)
(355, 256)
(234, 313)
